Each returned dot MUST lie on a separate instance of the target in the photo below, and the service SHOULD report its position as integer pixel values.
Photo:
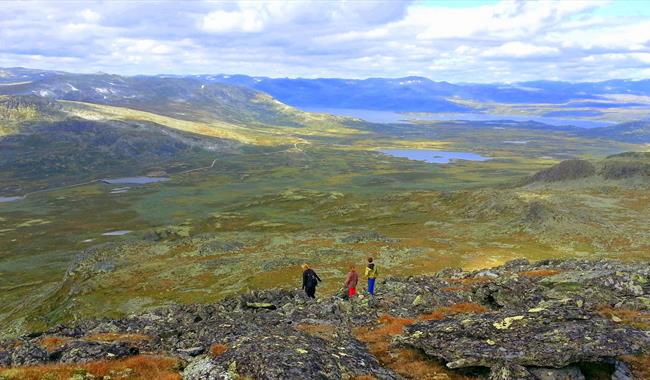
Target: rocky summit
(553, 319)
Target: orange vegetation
(634, 318)
(51, 343)
(320, 330)
(139, 367)
(392, 325)
(640, 365)
(217, 349)
(412, 364)
(326, 243)
(453, 288)
(539, 273)
(117, 337)
(405, 361)
(436, 315)
(458, 308)
(466, 307)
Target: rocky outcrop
(565, 170)
(522, 320)
(626, 165)
(554, 337)
(282, 354)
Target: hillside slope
(546, 320)
(621, 166)
(59, 129)
(180, 98)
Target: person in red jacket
(351, 281)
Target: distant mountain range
(247, 109)
(184, 98)
(408, 94)
(59, 128)
(417, 94)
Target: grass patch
(140, 367)
(539, 273)
(51, 343)
(319, 330)
(640, 365)
(634, 318)
(459, 308)
(392, 325)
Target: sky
(455, 41)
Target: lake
(134, 180)
(396, 117)
(554, 121)
(116, 233)
(10, 199)
(434, 156)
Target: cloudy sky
(457, 41)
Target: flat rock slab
(540, 338)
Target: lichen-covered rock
(554, 337)
(287, 354)
(622, 371)
(521, 320)
(82, 351)
(568, 373)
(28, 354)
(5, 359)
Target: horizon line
(100, 72)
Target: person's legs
(311, 292)
(352, 292)
(371, 286)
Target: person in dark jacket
(371, 274)
(309, 281)
(351, 281)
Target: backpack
(311, 278)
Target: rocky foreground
(545, 320)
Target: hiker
(351, 281)
(371, 273)
(309, 281)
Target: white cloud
(507, 19)
(508, 41)
(89, 15)
(241, 21)
(519, 49)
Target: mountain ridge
(406, 94)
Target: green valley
(249, 200)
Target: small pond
(116, 233)
(434, 156)
(10, 199)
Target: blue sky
(456, 41)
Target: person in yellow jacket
(371, 274)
